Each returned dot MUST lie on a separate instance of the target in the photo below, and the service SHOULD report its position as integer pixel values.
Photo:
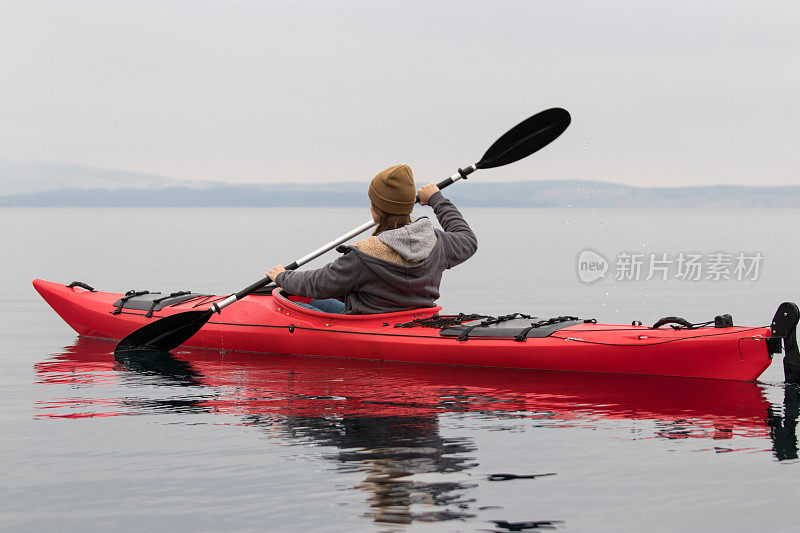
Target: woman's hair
(387, 221)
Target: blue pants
(331, 305)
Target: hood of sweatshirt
(414, 242)
(417, 244)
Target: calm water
(208, 441)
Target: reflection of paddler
(388, 450)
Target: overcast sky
(661, 93)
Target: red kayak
(275, 324)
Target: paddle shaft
(266, 280)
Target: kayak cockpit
(283, 300)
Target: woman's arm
(458, 239)
(335, 279)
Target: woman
(398, 268)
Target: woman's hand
(277, 269)
(425, 192)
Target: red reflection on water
(277, 385)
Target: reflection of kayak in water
(310, 387)
(383, 419)
(274, 323)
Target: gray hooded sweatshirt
(396, 270)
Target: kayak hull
(272, 324)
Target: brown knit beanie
(392, 190)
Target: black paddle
(520, 141)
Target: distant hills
(37, 184)
(24, 177)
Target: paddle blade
(526, 138)
(165, 333)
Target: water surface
(245, 442)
